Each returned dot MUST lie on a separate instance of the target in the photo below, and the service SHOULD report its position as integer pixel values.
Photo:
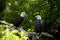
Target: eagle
(38, 26)
(19, 20)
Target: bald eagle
(19, 20)
(38, 25)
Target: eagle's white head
(38, 17)
(22, 14)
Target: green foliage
(6, 33)
(48, 9)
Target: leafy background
(48, 9)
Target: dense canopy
(48, 9)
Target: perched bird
(17, 22)
(38, 26)
(19, 19)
